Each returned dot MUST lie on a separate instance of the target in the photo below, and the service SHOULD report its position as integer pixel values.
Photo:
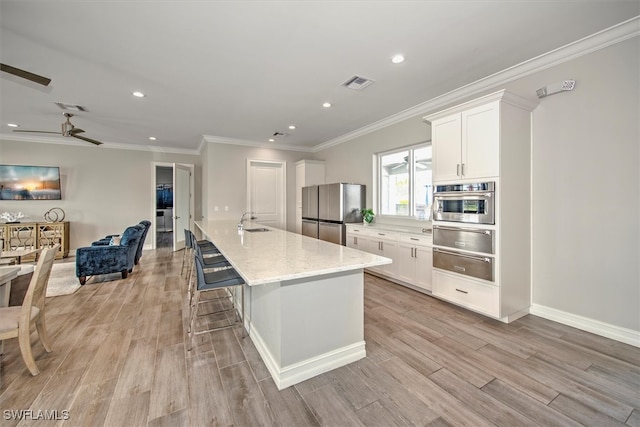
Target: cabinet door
(406, 268)
(390, 250)
(481, 141)
(446, 135)
(424, 266)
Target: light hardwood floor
(120, 359)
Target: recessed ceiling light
(153, 138)
(292, 127)
(272, 140)
(13, 125)
(397, 59)
(326, 105)
(138, 94)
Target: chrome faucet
(241, 223)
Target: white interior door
(266, 192)
(181, 204)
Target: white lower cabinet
(415, 261)
(411, 254)
(477, 296)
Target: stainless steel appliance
(480, 266)
(310, 211)
(335, 205)
(470, 239)
(470, 203)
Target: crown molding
(600, 40)
(248, 143)
(112, 145)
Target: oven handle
(474, 257)
(464, 196)
(471, 230)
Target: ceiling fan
(44, 81)
(68, 130)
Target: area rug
(63, 280)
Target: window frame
(411, 174)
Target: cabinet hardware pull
(462, 170)
(412, 249)
(460, 254)
(413, 238)
(469, 230)
(458, 169)
(460, 290)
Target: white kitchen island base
(304, 297)
(305, 327)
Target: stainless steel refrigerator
(310, 211)
(327, 208)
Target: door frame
(283, 165)
(154, 243)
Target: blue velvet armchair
(105, 259)
(107, 240)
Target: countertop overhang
(278, 255)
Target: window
(404, 182)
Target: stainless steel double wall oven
(464, 247)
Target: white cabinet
(410, 254)
(489, 139)
(465, 144)
(385, 244)
(415, 260)
(308, 172)
(473, 294)
(469, 141)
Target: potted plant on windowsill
(367, 216)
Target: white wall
(226, 178)
(586, 188)
(352, 161)
(103, 190)
(586, 183)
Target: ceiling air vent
(70, 107)
(357, 83)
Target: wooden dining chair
(16, 322)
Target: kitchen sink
(256, 230)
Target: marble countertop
(277, 255)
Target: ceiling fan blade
(93, 141)
(44, 81)
(76, 130)
(36, 131)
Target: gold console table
(35, 235)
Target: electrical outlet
(215, 208)
(226, 208)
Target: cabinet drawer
(470, 239)
(416, 239)
(362, 231)
(477, 266)
(466, 292)
(389, 236)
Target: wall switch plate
(215, 208)
(226, 208)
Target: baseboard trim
(293, 374)
(624, 335)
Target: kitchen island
(305, 297)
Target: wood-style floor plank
(120, 359)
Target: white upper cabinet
(446, 141)
(481, 142)
(467, 139)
